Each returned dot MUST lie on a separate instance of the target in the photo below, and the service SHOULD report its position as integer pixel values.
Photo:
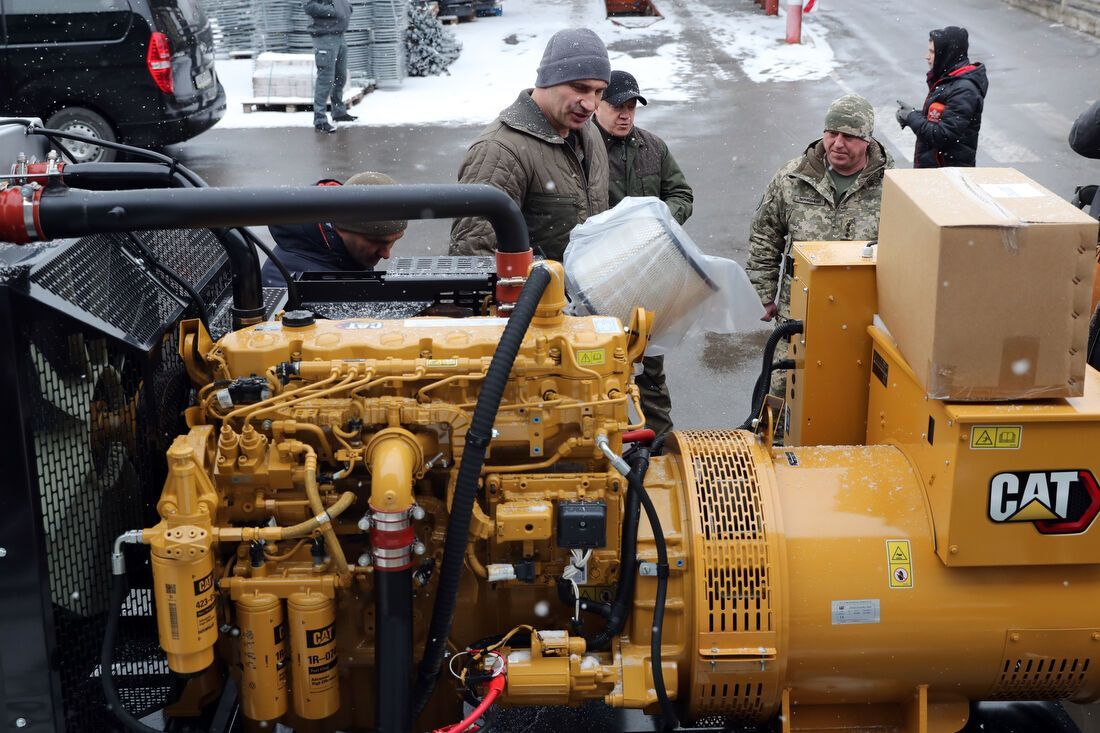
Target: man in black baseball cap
(639, 164)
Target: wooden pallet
(300, 104)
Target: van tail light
(159, 61)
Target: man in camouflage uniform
(830, 192)
(640, 164)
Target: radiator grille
(103, 275)
(1041, 678)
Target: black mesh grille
(102, 414)
(104, 275)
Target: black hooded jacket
(307, 248)
(947, 125)
(1084, 138)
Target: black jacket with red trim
(307, 248)
(947, 125)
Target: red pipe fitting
(19, 216)
(392, 537)
(509, 265)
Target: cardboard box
(984, 280)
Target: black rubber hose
(106, 660)
(1093, 356)
(760, 390)
(196, 298)
(671, 721)
(466, 485)
(293, 299)
(628, 553)
(393, 641)
(72, 213)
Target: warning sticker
(996, 437)
(591, 357)
(899, 558)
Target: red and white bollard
(771, 7)
(794, 21)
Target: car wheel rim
(83, 152)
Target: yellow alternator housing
(817, 593)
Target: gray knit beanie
(373, 228)
(571, 55)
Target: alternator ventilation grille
(735, 537)
(736, 613)
(1041, 678)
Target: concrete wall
(1083, 15)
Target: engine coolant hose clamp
(392, 538)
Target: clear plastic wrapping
(637, 255)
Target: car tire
(83, 121)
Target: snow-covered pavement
(500, 55)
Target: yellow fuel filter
(263, 650)
(314, 675)
(183, 583)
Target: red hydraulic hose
(645, 435)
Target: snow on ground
(500, 55)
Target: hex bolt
(20, 722)
(417, 512)
(3, 552)
(418, 548)
(364, 560)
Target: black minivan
(137, 71)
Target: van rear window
(188, 11)
(62, 21)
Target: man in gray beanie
(544, 151)
(830, 192)
(328, 247)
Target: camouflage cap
(372, 228)
(852, 115)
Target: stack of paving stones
(389, 20)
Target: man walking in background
(947, 125)
(330, 52)
(639, 164)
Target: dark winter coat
(641, 165)
(948, 124)
(522, 155)
(330, 17)
(1084, 138)
(307, 248)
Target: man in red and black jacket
(327, 247)
(948, 124)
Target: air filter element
(643, 264)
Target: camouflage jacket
(641, 165)
(798, 206)
(521, 154)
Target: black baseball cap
(622, 89)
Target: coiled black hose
(670, 722)
(760, 390)
(106, 660)
(466, 485)
(628, 553)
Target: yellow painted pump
(363, 508)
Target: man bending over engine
(329, 247)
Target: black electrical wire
(619, 610)
(671, 721)
(106, 660)
(760, 390)
(196, 298)
(120, 147)
(478, 437)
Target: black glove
(904, 110)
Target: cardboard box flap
(979, 197)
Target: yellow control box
(1007, 484)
